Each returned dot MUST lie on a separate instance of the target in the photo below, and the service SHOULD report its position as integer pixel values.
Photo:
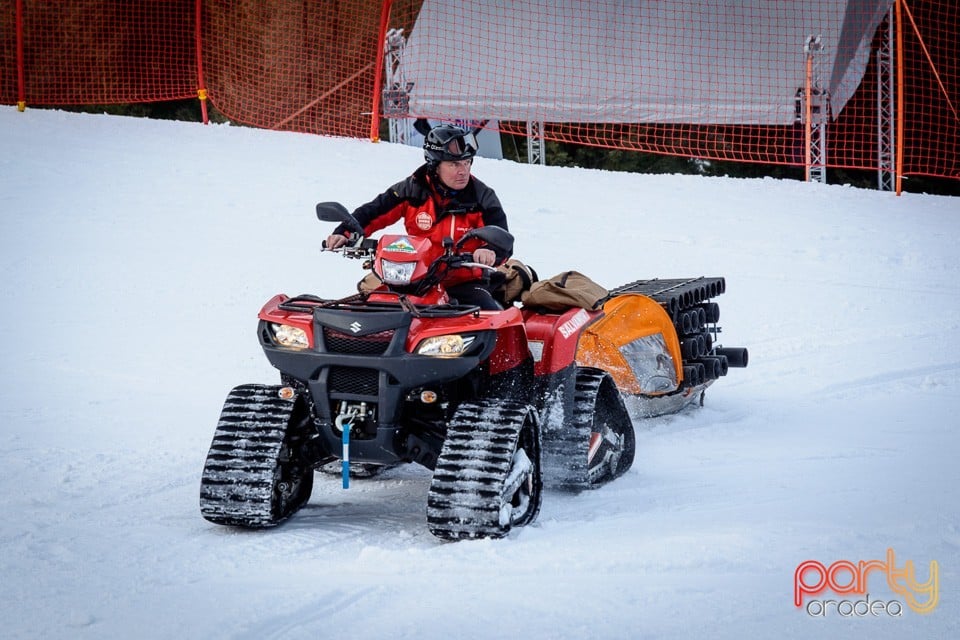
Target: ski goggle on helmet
(447, 142)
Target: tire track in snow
(887, 377)
(307, 621)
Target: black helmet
(447, 142)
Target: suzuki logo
(355, 327)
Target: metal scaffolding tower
(396, 92)
(536, 153)
(885, 110)
(816, 113)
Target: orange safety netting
(301, 66)
(708, 80)
(95, 52)
(931, 88)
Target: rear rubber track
(598, 412)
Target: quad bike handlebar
(499, 240)
(363, 248)
(368, 250)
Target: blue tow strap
(345, 465)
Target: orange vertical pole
(21, 86)
(201, 85)
(900, 119)
(378, 71)
(808, 117)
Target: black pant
(474, 293)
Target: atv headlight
(397, 272)
(450, 346)
(287, 336)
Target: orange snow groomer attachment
(635, 341)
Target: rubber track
(237, 487)
(465, 495)
(565, 451)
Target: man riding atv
(494, 402)
(441, 200)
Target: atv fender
(553, 337)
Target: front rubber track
(488, 476)
(253, 476)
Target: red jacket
(426, 213)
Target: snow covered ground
(135, 254)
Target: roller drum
(736, 356)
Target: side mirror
(497, 238)
(336, 212)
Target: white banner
(630, 61)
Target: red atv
(493, 402)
